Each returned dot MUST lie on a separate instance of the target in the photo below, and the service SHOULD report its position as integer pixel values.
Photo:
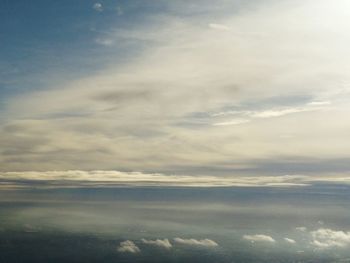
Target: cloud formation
(328, 238)
(128, 247)
(163, 243)
(195, 242)
(259, 238)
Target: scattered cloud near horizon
(128, 246)
(163, 243)
(195, 242)
(324, 238)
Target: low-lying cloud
(194, 242)
(328, 238)
(128, 246)
(76, 178)
(163, 243)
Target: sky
(224, 89)
(174, 131)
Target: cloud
(104, 42)
(231, 122)
(109, 178)
(98, 7)
(164, 243)
(259, 238)
(265, 114)
(328, 238)
(128, 246)
(219, 27)
(194, 242)
(289, 240)
(100, 178)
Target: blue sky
(226, 89)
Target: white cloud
(231, 122)
(319, 103)
(128, 246)
(259, 238)
(164, 243)
(194, 242)
(109, 178)
(327, 238)
(289, 240)
(219, 26)
(112, 178)
(98, 7)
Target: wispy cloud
(110, 178)
(98, 7)
(104, 41)
(289, 240)
(219, 26)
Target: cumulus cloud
(328, 238)
(128, 246)
(98, 7)
(259, 238)
(194, 242)
(164, 243)
(289, 240)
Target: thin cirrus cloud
(196, 242)
(271, 113)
